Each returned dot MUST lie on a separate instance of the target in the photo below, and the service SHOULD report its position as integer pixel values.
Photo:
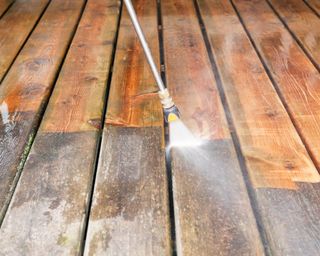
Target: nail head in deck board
(303, 23)
(15, 27)
(274, 153)
(4, 5)
(26, 88)
(315, 5)
(50, 201)
(129, 213)
(133, 94)
(213, 215)
(296, 77)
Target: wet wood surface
(315, 5)
(263, 126)
(26, 88)
(303, 23)
(266, 147)
(130, 209)
(51, 200)
(134, 100)
(296, 77)
(4, 5)
(212, 211)
(15, 27)
(83, 168)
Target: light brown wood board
(50, 202)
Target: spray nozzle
(170, 110)
(171, 114)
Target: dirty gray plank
(48, 209)
(129, 213)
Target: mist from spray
(181, 136)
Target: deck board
(213, 215)
(303, 23)
(315, 5)
(275, 156)
(83, 168)
(15, 27)
(26, 88)
(4, 5)
(50, 201)
(130, 210)
(296, 77)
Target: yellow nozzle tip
(172, 117)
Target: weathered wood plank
(130, 209)
(50, 201)
(212, 209)
(15, 27)
(304, 24)
(4, 5)
(314, 4)
(129, 213)
(26, 88)
(280, 170)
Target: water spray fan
(170, 110)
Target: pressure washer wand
(170, 110)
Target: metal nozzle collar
(165, 99)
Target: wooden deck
(84, 168)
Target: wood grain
(50, 201)
(297, 79)
(129, 214)
(4, 5)
(25, 90)
(213, 215)
(15, 27)
(264, 128)
(303, 23)
(133, 93)
(314, 4)
(289, 215)
(130, 209)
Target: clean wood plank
(304, 24)
(4, 5)
(314, 4)
(130, 209)
(50, 201)
(212, 209)
(284, 179)
(26, 88)
(297, 79)
(15, 27)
